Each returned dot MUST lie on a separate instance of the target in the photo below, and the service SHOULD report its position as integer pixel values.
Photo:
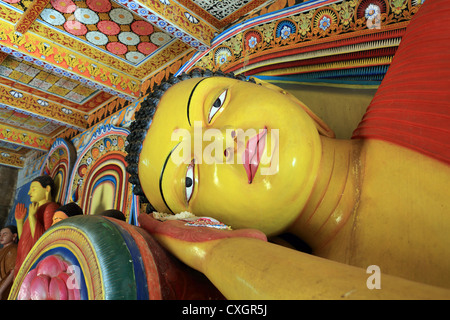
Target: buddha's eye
(189, 181)
(217, 105)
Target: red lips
(252, 154)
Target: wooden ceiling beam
(24, 138)
(3, 56)
(11, 159)
(30, 15)
(33, 105)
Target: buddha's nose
(232, 144)
(219, 145)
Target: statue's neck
(335, 195)
(42, 202)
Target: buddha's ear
(48, 193)
(321, 126)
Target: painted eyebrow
(162, 173)
(189, 100)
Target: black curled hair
(143, 119)
(46, 180)
(113, 213)
(71, 209)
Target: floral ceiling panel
(103, 24)
(106, 25)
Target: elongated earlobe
(48, 195)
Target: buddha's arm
(250, 268)
(20, 213)
(244, 268)
(19, 224)
(32, 217)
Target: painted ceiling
(61, 60)
(67, 65)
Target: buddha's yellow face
(243, 153)
(37, 192)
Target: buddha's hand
(20, 212)
(191, 244)
(33, 208)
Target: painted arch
(99, 180)
(59, 164)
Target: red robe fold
(412, 105)
(44, 220)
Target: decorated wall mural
(309, 38)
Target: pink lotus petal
(24, 292)
(57, 289)
(51, 266)
(39, 288)
(73, 294)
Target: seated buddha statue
(379, 199)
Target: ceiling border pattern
(125, 71)
(241, 27)
(5, 106)
(117, 111)
(173, 19)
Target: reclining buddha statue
(248, 155)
